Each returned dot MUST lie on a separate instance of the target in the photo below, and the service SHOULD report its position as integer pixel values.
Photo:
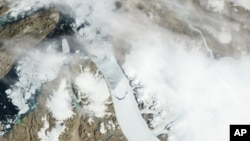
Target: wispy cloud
(201, 94)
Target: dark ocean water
(7, 109)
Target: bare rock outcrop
(82, 126)
(23, 35)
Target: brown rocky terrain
(78, 128)
(18, 37)
(192, 19)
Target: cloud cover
(202, 95)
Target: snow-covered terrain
(194, 82)
(60, 103)
(95, 88)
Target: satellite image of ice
(123, 70)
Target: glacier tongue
(127, 112)
(111, 70)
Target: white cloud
(242, 3)
(202, 94)
(53, 135)
(97, 92)
(217, 5)
(60, 103)
(205, 95)
(33, 72)
(42, 135)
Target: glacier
(190, 56)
